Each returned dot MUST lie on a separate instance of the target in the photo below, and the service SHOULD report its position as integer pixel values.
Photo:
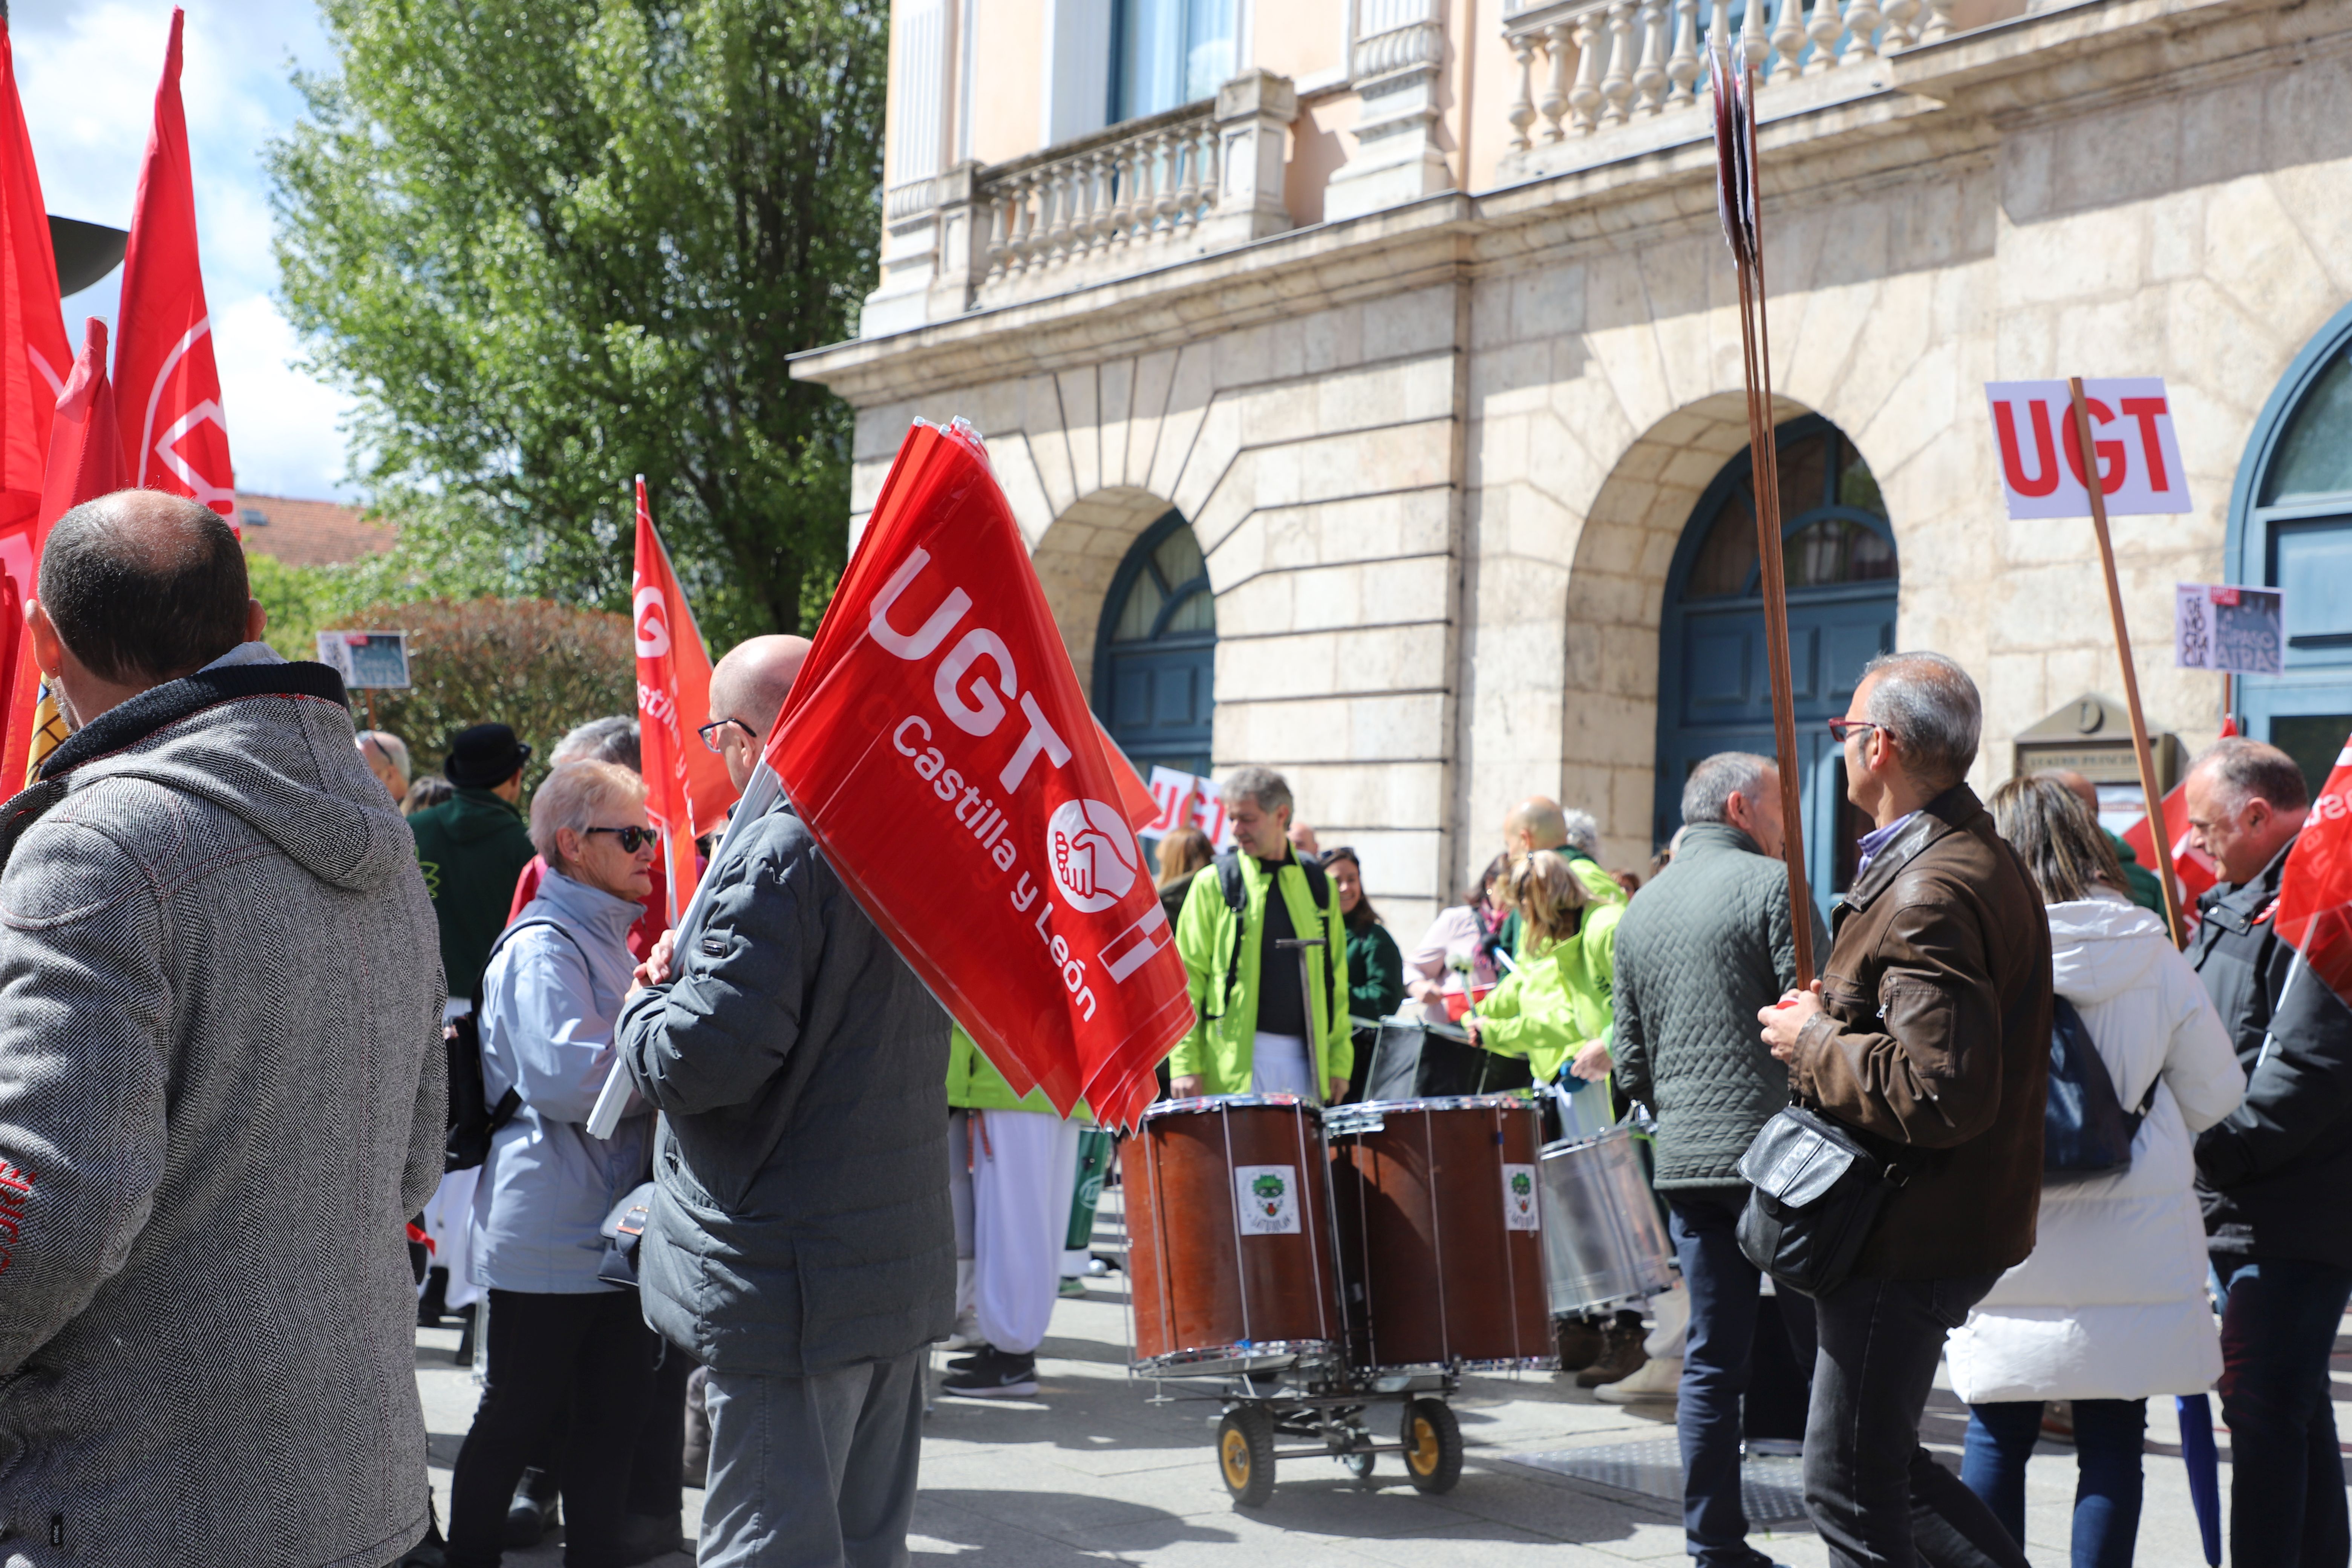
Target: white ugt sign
(2041, 454)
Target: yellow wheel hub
(1234, 1454)
(1422, 1454)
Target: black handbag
(2085, 1130)
(1814, 1192)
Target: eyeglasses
(1840, 728)
(632, 839)
(712, 738)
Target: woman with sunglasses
(568, 1352)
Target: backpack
(2085, 1130)
(1229, 882)
(473, 1120)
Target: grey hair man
(801, 1244)
(2276, 1175)
(1710, 943)
(609, 740)
(220, 1081)
(387, 755)
(1928, 1029)
(1260, 1024)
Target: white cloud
(87, 73)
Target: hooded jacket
(221, 1082)
(472, 849)
(2112, 1303)
(1557, 1000)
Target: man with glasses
(1928, 1035)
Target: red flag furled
(2193, 867)
(687, 788)
(34, 353)
(939, 749)
(175, 436)
(85, 462)
(2314, 901)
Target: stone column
(962, 229)
(1252, 117)
(1396, 77)
(911, 258)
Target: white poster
(1519, 1197)
(2041, 451)
(1266, 1199)
(2241, 631)
(1187, 800)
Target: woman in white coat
(2111, 1306)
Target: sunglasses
(1840, 728)
(713, 733)
(632, 839)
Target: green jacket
(974, 1084)
(1375, 973)
(1604, 888)
(2145, 890)
(1558, 1001)
(1218, 1048)
(471, 847)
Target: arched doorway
(1156, 651)
(2291, 523)
(1715, 690)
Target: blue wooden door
(1156, 653)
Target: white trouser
(1279, 1064)
(449, 1221)
(1012, 1174)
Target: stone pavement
(1096, 1470)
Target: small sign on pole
(2238, 631)
(368, 661)
(2042, 450)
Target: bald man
(2139, 880)
(1539, 822)
(802, 1246)
(221, 1082)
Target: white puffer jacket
(2112, 1303)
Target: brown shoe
(1620, 1356)
(1579, 1342)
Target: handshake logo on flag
(1093, 855)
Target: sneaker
(532, 1512)
(979, 1357)
(1659, 1377)
(1071, 1286)
(999, 1376)
(1621, 1357)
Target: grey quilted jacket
(801, 1220)
(220, 1098)
(1699, 951)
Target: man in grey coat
(220, 1084)
(801, 1244)
(1706, 944)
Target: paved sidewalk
(1096, 1470)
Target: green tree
(551, 244)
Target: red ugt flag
(175, 436)
(34, 353)
(687, 788)
(939, 748)
(2314, 901)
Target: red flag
(85, 462)
(176, 438)
(687, 788)
(2193, 869)
(34, 353)
(1134, 796)
(939, 748)
(2314, 901)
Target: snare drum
(1604, 1242)
(1440, 1254)
(1229, 1237)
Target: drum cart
(1331, 1407)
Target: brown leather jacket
(1935, 1041)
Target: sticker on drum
(1519, 1197)
(1265, 1199)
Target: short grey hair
(1269, 790)
(2244, 770)
(1583, 831)
(1706, 798)
(575, 796)
(1929, 705)
(612, 740)
(394, 749)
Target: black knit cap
(484, 757)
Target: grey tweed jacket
(1699, 951)
(221, 1091)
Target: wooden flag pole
(2096, 488)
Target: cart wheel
(1245, 1455)
(1432, 1446)
(1359, 1463)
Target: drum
(1415, 1060)
(1441, 1254)
(1229, 1237)
(1603, 1241)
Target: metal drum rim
(1570, 1146)
(1203, 1104)
(1245, 1351)
(1443, 1102)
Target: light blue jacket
(549, 999)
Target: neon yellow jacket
(1603, 888)
(1558, 1001)
(974, 1084)
(1219, 1047)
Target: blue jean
(2279, 1317)
(1715, 1362)
(1879, 1499)
(2108, 1437)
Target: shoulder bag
(1814, 1191)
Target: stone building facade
(1423, 327)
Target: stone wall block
(2255, 253)
(1081, 422)
(1420, 323)
(1116, 386)
(1190, 390)
(1049, 444)
(1546, 301)
(1147, 403)
(2313, 194)
(1241, 552)
(1024, 489)
(1326, 596)
(1257, 607)
(1213, 448)
(1830, 324)
(2235, 356)
(1420, 588)
(1392, 657)
(1281, 666)
(1923, 406)
(2063, 261)
(880, 429)
(1406, 725)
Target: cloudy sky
(87, 70)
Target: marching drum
(1417, 1060)
(1602, 1239)
(1229, 1237)
(1441, 1254)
